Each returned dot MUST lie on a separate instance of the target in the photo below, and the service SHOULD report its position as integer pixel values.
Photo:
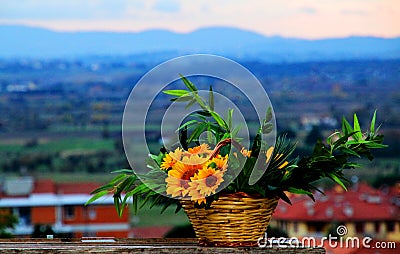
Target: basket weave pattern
(232, 220)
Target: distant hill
(22, 41)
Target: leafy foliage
(278, 174)
(7, 221)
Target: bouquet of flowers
(201, 172)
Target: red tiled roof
(359, 203)
(77, 188)
(44, 186)
(395, 190)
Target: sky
(309, 19)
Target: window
(377, 227)
(69, 212)
(359, 227)
(24, 215)
(91, 213)
(295, 227)
(390, 226)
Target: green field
(59, 145)
(76, 177)
(152, 217)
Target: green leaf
(219, 120)
(357, 128)
(372, 127)
(117, 204)
(329, 139)
(209, 134)
(193, 101)
(298, 191)
(203, 113)
(102, 188)
(140, 189)
(118, 178)
(235, 131)
(251, 176)
(186, 124)
(177, 93)
(285, 198)
(182, 98)
(183, 138)
(197, 132)
(126, 184)
(357, 142)
(97, 196)
(178, 208)
(338, 181)
(346, 127)
(351, 165)
(311, 196)
(147, 198)
(375, 145)
(125, 170)
(126, 197)
(267, 128)
(342, 140)
(229, 118)
(188, 84)
(165, 206)
(312, 187)
(268, 115)
(157, 159)
(135, 205)
(211, 99)
(349, 151)
(377, 129)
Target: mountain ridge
(34, 42)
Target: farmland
(64, 118)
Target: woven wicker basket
(233, 220)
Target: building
(61, 205)
(364, 211)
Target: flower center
(185, 184)
(211, 180)
(189, 173)
(186, 177)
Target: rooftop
(25, 192)
(361, 202)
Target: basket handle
(223, 143)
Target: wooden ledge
(119, 245)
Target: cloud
(354, 12)
(169, 6)
(308, 10)
(302, 18)
(56, 10)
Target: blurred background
(67, 68)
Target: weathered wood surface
(111, 245)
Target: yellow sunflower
(269, 154)
(195, 195)
(201, 149)
(245, 152)
(219, 162)
(284, 164)
(207, 180)
(179, 176)
(171, 158)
